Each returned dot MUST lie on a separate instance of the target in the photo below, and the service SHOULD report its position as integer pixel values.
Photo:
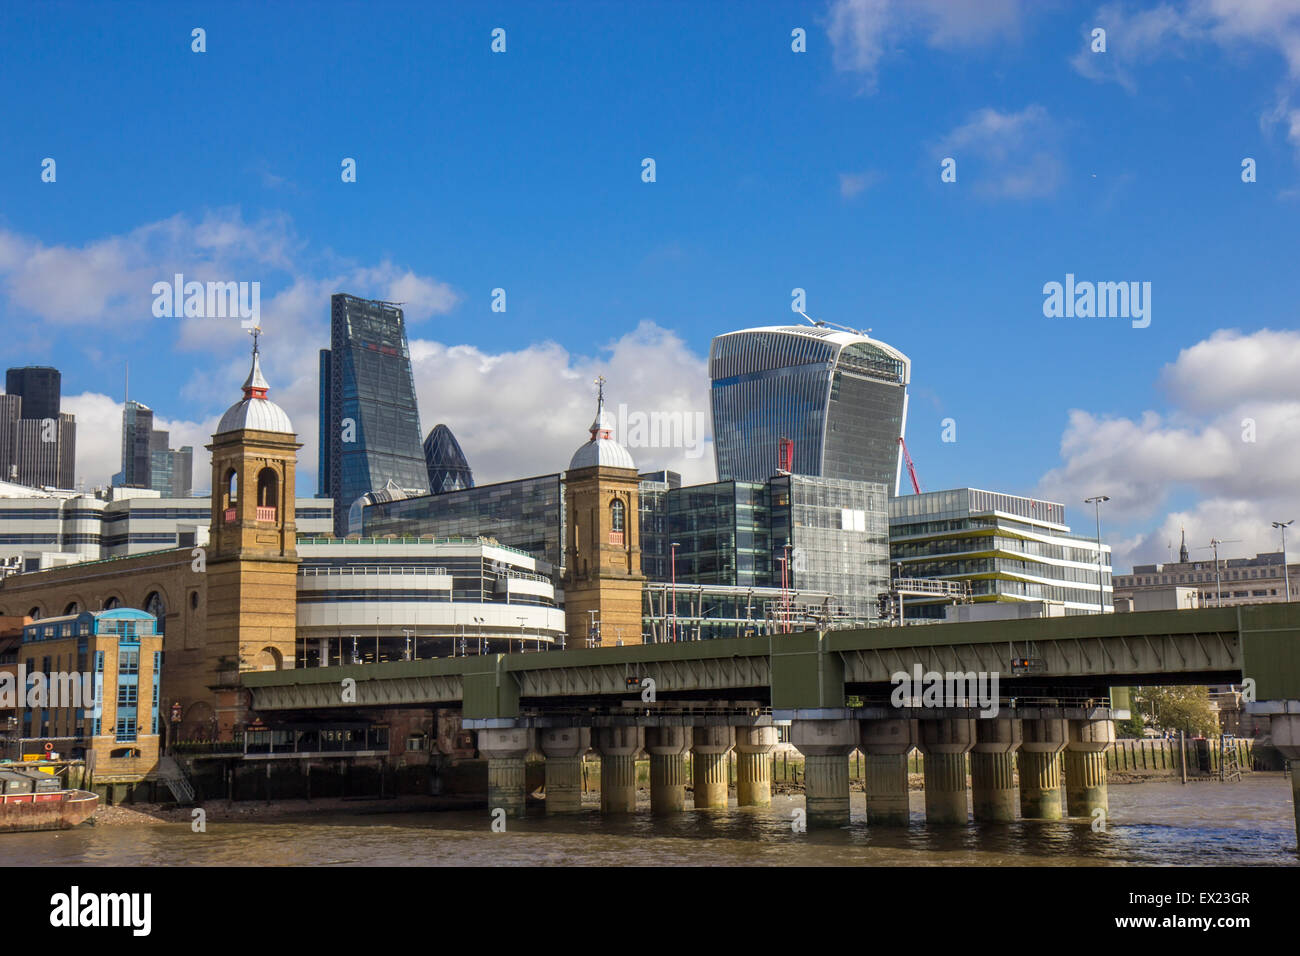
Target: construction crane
(1218, 584)
(911, 468)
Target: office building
(38, 443)
(837, 396)
(369, 421)
(448, 469)
(1004, 547)
(147, 461)
(1262, 579)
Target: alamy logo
(212, 300)
(949, 689)
(1102, 300)
(685, 430)
(75, 908)
(39, 691)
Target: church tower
(252, 558)
(603, 582)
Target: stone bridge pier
(754, 746)
(993, 769)
(506, 749)
(667, 747)
(885, 745)
(564, 748)
(618, 747)
(709, 751)
(1085, 766)
(1040, 767)
(945, 743)
(825, 745)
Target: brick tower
(603, 540)
(252, 558)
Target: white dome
(602, 451)
(255, 410)
(261, 414)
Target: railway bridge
(1032, 696)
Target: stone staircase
(170, 773)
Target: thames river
(1236, 824)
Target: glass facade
(839, 397)
(448, 469)
(370, 424)
(1005, 547)
(527, 514)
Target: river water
(1235, 824)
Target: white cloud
(863, 32)
(1006, 155)
(854, 184)
(1224, 390)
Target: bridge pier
(506, 749)
(885, 745)
(825, 745)
(618, 747)
(667, 747)
(945, 743)
(1085, 766)
(1040, 768)
(1284, 731)
(753, 766)
(995, 798)
(564, 747)
(710, 746)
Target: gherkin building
(448, 469)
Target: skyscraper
(147, 461)
(40, 443)
(448, 469)
(369, 421)
(838, 396)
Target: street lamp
(520, 618)
(407, 631)
(674, 546)
(1286, 576)
(1096, 501)
(479, 622)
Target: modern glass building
(38, 443)
(369, 421)
(39, 386)
(832, 532)
(147, 462)
(448, 469)
(1008, 548)
(526, 514)
(839, 396)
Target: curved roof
(255, 410)
(602, 450)
(840, 341)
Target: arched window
(112, 603)
(268, 494)
(154, 605)
(72, 608)
(230, 489)
(616, 514)
(34, 614)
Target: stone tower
(603, 540)
(252, 558)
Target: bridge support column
(1085, 766)
(754, 766)
(993, 770)
(1284, 732)
(618, 747)
(506, 749)
(885, 745)
(1040, 768)
(945, 744)
(667, 747)
(709, 748)
(825, 745)
(564, 747)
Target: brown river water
(1236, 824)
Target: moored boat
(50, 810)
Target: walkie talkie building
(839, 396)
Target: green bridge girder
(812, 670)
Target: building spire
(600, 427)
(1183, 556)
(255, 386)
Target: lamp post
(520, 618)
(673, 546)
(479, 622)
(1286, 576)
(1096, 501)
(407, 631)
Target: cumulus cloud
(863, 32)
(525, 411)
(1013, 155)
(1231, 440)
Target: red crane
(911, 469)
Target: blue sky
(774, 170)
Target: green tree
(1177, 708)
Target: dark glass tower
(369, 423)
(448, 469)
(38, 386)
(838, 396)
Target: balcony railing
(231, 514)
(265, 514)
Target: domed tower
(252, 558)
(602, 581)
